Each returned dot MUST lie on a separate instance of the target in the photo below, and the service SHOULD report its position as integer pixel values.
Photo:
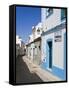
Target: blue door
(50, 54)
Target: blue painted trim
(47, 51)
(62, 14)
(61, 73)
(58, 72)
(55, 29)
(43, 65)
(55, 71)
(50, 39)
(47, 55)
(65, 55)
(46, 64)
(62, 19)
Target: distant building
(34, 45)
(37, 31)
(18, 40)
(30, 44)
(53, 44)
(37, 51)
(20, 46)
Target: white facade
(36, 33)
(57, 52)
(37, 30)
(53, 41)
(53, 20)
(30, 38)
(18, 40)
(31, 50)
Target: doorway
(50, 54)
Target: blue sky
(26, 17)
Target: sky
(26, 17)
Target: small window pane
(63, 13)
(49, 11)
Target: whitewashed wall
(32, 46)
(57, 50)
(30, 38)
(43, 48)
(18, 40)
(53, 20)
(35, 34)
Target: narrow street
(23, 75)
(28, 72)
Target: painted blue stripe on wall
(43, 65)
(58, 72)
(55, 29)
(55, 71)
(65, 54)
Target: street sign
(58, 36)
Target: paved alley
(23, 75)
(43, 74)
(28, 72)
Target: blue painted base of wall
(55, 71)
(59, 72)
(43, 65)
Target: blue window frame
(63, 14)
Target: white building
(34, 37)
(37, 30)
(18, 44)
(54, 41)
(18, 40)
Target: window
(35, 47)
(38, 31)
(49, 11)
(35, 50)
(63, 13)
(39, 48)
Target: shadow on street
(23, 74)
